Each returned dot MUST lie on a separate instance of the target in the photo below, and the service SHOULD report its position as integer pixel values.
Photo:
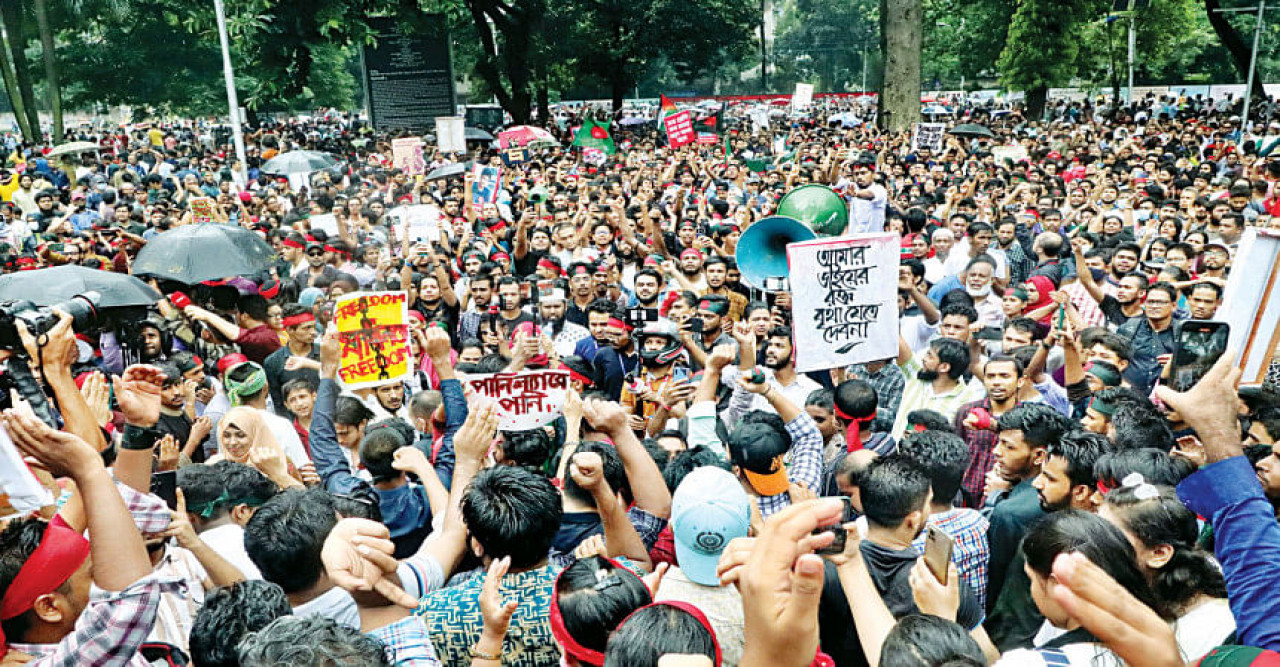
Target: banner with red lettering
(373, 328)
(679, 127)
(524, 400)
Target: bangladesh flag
(668, 107)
(595, 135)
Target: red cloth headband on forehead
(292, 243)
(300, 318)
(558, 630)
(61, 552)
(619, 324)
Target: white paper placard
(524, 400)
(844, 295)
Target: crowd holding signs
(747, 382)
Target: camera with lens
(83, 309)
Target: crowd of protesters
(683, 509)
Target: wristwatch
(139, 438)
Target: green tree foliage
(617, 40)
(1041, 47)
(822, 41)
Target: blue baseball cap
(708, 509)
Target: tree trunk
(764, 50)
(15, 27)
(618, 87)
(1036, 98)
(900, 42)
(1240, 50)
(51, 82)
(15, 97)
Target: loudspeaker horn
(762, 249)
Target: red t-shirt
(258, 342)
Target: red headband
(500, 255)
(545, 263)
(571, 646)
(300, 318)
(618, 324)
(1103, 487)
(269, 289)
(292, 243)
(61, 552)
(852, 436)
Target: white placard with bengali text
(844, 295)
(524, 400)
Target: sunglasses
(315, 253)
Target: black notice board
(409, 77)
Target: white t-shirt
(288, 438)
(867, 215)
(1203, 627)
(227, 541)
(419, 575)
(958, 260)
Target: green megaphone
(818, 207)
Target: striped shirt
(969, 530)
(919, 395)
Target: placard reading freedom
(844, 300)
(374, 331)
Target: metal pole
(233, 103)
(1133, 47)
(1253, 63)
(864, 67)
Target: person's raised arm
(647, 485)
(620, 537)
(871, 616)
(57, 353)
(118, 553)
(907, 283)
(780, 579)
(221, 572)
(230, 330)
(331, 464)
(1086, 276)
(138, 397)
(471, 444)
(447, 294)
(904, 352)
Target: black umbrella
(195, 253)
(449, 171)
(298, 162)
(972, 130)
(46, 287)
(477, 134)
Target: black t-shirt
(890, 570)
(179, 426)
(1110, 308)
(525, 266)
